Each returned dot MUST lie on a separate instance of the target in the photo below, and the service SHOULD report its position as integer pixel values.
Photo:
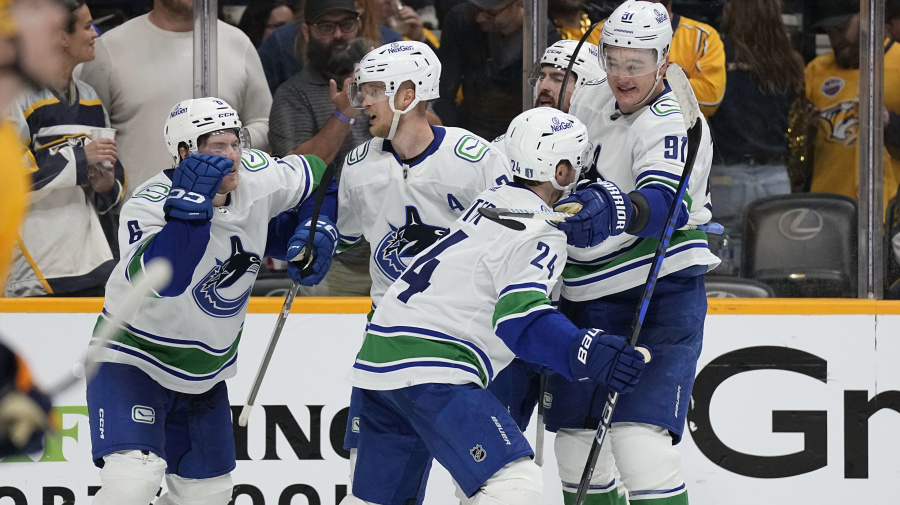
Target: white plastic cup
(104, 133)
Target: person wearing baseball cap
(832, 88)
(892, 19)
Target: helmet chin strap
(652, 88)
(566, 190)
(397, 113)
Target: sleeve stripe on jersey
(652, 181)
(172, 342)
(399, 351)
(136, 265)
(604, 259)
(385, 331)
(519, 304)
(658, 174)
(524, 286)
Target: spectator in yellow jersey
(832, 87)
(571, 20)
(698, 48)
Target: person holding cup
(76, 177)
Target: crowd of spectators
(782, 119)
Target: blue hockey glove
(605, 358)
(194, 185)
(325, 243)
(605, 211)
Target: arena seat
(802, 245)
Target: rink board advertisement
(787, 409)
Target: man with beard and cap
(832, 88)
(312, 115)
(145, 65)
(481, 53)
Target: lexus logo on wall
(800, 224)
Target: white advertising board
(783, 413)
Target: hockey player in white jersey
(458, 314)
(636, 123)
(403, 189)
(158, 403)
(518, 387)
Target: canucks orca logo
(401, 244)
(212, 293)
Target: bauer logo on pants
(142, 414)
(478, 453)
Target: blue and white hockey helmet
(639, 25)
(190, 119)
(539, 139)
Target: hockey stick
(306, 258)
(539, 438)
(494, 214)
(562, 88)
(156, 275)
(694, 125)
(500, 215)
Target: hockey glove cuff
(194, 185)
(607, 359)
(605, 211)
(325, 243)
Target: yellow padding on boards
(361, 305)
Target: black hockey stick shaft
(560, 101)
(694, 135)
(308, 256)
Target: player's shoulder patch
(154, 192)
(665, 106)
(255, 160)
(500, 137)
(595, 82)
(471, 148)
(358, 153)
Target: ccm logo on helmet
(226, 114)
(586, 342)
(396, 48)
(618, 201)
(177, 111)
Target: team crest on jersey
(398, 247)
(478, 453)
(76, 140)
(842, 123)
(224, 291)
(832, 86)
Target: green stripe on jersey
(318, 169)
(646, 247)
(517, 303)
(191, 360)
(385, 350)
(136, 265)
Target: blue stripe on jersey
(633, 265)
(526, 285)
(412, 330)
(652, 492)
(415, 364)
(169, 370)
(150, 336)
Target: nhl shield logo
(478, 453)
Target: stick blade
(494, 216)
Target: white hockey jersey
(635, 151)
(449, 316)
(401, 209)
(189, 342)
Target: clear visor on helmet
(225, 142)
(366, 94)
(628, 61)
(547, 74)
